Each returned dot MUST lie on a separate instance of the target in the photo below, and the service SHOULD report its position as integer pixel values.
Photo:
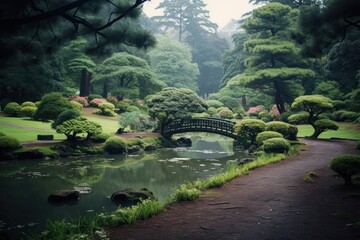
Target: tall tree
(184, 16)
(79, 65)
(172, 63)
(292, 3)
(274, 65)
(125, 75)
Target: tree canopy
(126, 75)
(172, 62)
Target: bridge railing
(200, 124)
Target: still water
(26, 185)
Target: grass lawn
(345, 131)
(26, 129)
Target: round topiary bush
(76, 105)
(263, 136)
(214, 103)
(287, 130)
(28, 104)
(349, 116)
(122, 106)
(298, 118)
(323, 125)
(248, 129)
(276, 145)
(12, 108)
(346, 166)
(28, 111)
(52, 104)
(115, 145)
(133, 109)
(8, 144)
(226, 113)
(64, 116)
(100, 138)
(112, 99)
(135, 142)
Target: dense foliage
(346, 166)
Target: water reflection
(25, 185)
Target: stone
(244, 161)
(184, 142)
(64, 196)
(130, 196)
(150, 148)
(30, 154)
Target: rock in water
(64, 195)
(129, 196)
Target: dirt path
(272, 202)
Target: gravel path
(272, 202)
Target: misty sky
(221, 11)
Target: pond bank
(273, 202)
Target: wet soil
(272, 202)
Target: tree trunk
(83, 82)
(279, 98)
(105, 89)
(243, 101)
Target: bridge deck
(213, 125)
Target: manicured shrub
(28, 104)
(2, 134)
(112, 99)
(64, 116)
(201, 115)
(82, 100)
(106, 109)
(100, 138)
(261, 137)
(248, 129)
(78, 125)
(349, 116)
(229, 102)
(298, 118)
(226, 113)
(214, 103)
(136, 121)
(76, 105)
(133, 109)
(121, 105)
(254, 111)
(8, 144)
(264, 113)
(284, 116)
(51, 106)
(37, 103)
(12, 109)
(337, 114)
(115, 145)
(211, 111)
(93, 96)
(276, 145)
(287, 130)
(324, 125)
(96, 101)
(28, 111)
(135, 142)
(346, 166)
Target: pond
(26, 185)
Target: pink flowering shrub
(96, 101)
(82, 100)
(274, 112)
(254, 111)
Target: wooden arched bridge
(211, 125)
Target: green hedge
(287, 130)
(115, 145)
(346, 166)
(263, 136)
(12, 108)
(8, 144)
(28, 111)
(276, 145)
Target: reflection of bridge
(212, 125)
